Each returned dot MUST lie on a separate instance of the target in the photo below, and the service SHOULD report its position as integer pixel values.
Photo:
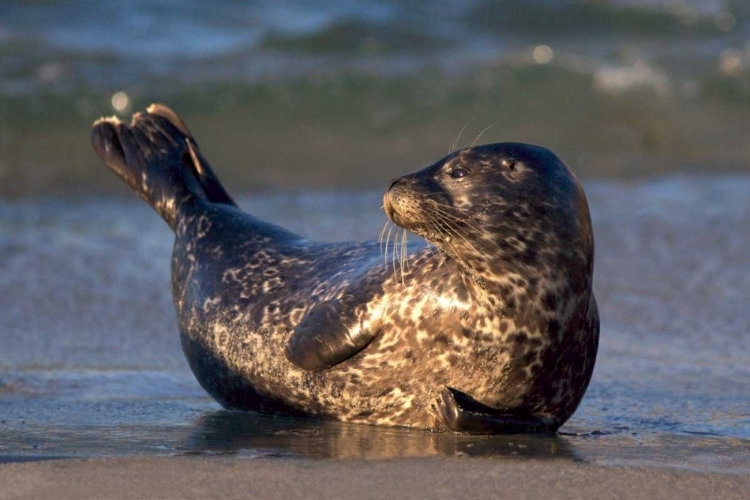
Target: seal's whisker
(382, 234)
(445, 237)
(466, 219)
(394, 255)
(453, 146)
(482, 133)
(404, 249)
(454, 221)
(462, 220)
(470, 224)
(387, 241)
(404, 254)
(453, 230)
(458, 237)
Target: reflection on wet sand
(229, 432)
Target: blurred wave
(348, 93)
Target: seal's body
(495, 331)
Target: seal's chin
(397, 218)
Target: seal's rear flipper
(331, 333)
(203, 171)
(157, 157)
(459, 412)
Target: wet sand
(409, 478)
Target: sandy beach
(435, 479)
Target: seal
(491, 326)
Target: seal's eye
(457, 173)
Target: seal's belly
(236, 350)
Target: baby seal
(492, 328)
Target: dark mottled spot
(553, 327)
(442, 338)
(530, 356)
(518, 336)
(550, 301)
(519, 282)
(408, 354)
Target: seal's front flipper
(332, 332)
(459, 412)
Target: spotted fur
(499, 307)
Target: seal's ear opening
(509, 164)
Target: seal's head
(499, 208)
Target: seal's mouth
(400, 204)
(390, 210)
(388, 206)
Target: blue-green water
(309, 109)
(336, 94)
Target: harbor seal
(491, 327)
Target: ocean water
(341, 94)
(306, 110)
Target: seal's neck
(509, 271)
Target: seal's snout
(402, 203)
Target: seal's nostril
(395, 181)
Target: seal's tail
(158, 158)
